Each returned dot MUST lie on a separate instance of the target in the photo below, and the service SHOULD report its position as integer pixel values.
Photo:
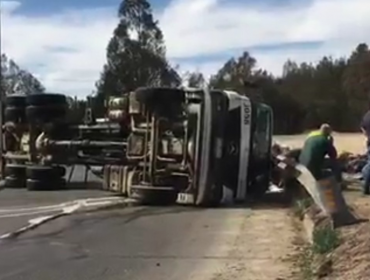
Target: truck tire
(46, 113)
(16, 100)
(42, 173)
(46, 99)
(158, 96)
(15, 114)
(14, 182)
(163, 101)
(153, 195)
(45, 185)
(60, 171)
(16, 171)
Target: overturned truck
(188, 145)
(164, 145)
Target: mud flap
(113, 179)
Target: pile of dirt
(351, 260)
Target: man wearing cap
(317, 146)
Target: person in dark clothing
(365, 128)
(317, 146)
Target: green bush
(325, 240)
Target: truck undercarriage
(156, 145)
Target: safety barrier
(326, 193)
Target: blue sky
(63, 42)
(39, 7)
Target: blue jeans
(366, 173)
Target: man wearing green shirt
(317, 146)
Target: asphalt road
(133, 243)
(171, 243)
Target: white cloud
(191, 28)
(203, 27)
(65, 50)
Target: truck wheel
(153, 195)
(60, 171)
(14, 182)
(45, 185)
(15, 114)
(163, 101)
(16, 171)
(46, 99)
(16, 100)
(42, 173)
(46, 113)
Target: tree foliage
(136, 54)
(333, 90)
(194, 80)
(17, 80)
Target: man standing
(365, 128)
(317, 146)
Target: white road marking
(78, 205)
(56, 206)
(30, 213)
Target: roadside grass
(315, 257)
(300, 207)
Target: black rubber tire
(46, 185)
(14, 183)
(42, 173)
(46, 99)
(16, 170)
(153, 195)
(60, 171)
(45, 114)
(15, 114)
(16, 100)
(162, 101)
(149, 96)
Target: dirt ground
(351, 260)
(263, 248)
(344, 142)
